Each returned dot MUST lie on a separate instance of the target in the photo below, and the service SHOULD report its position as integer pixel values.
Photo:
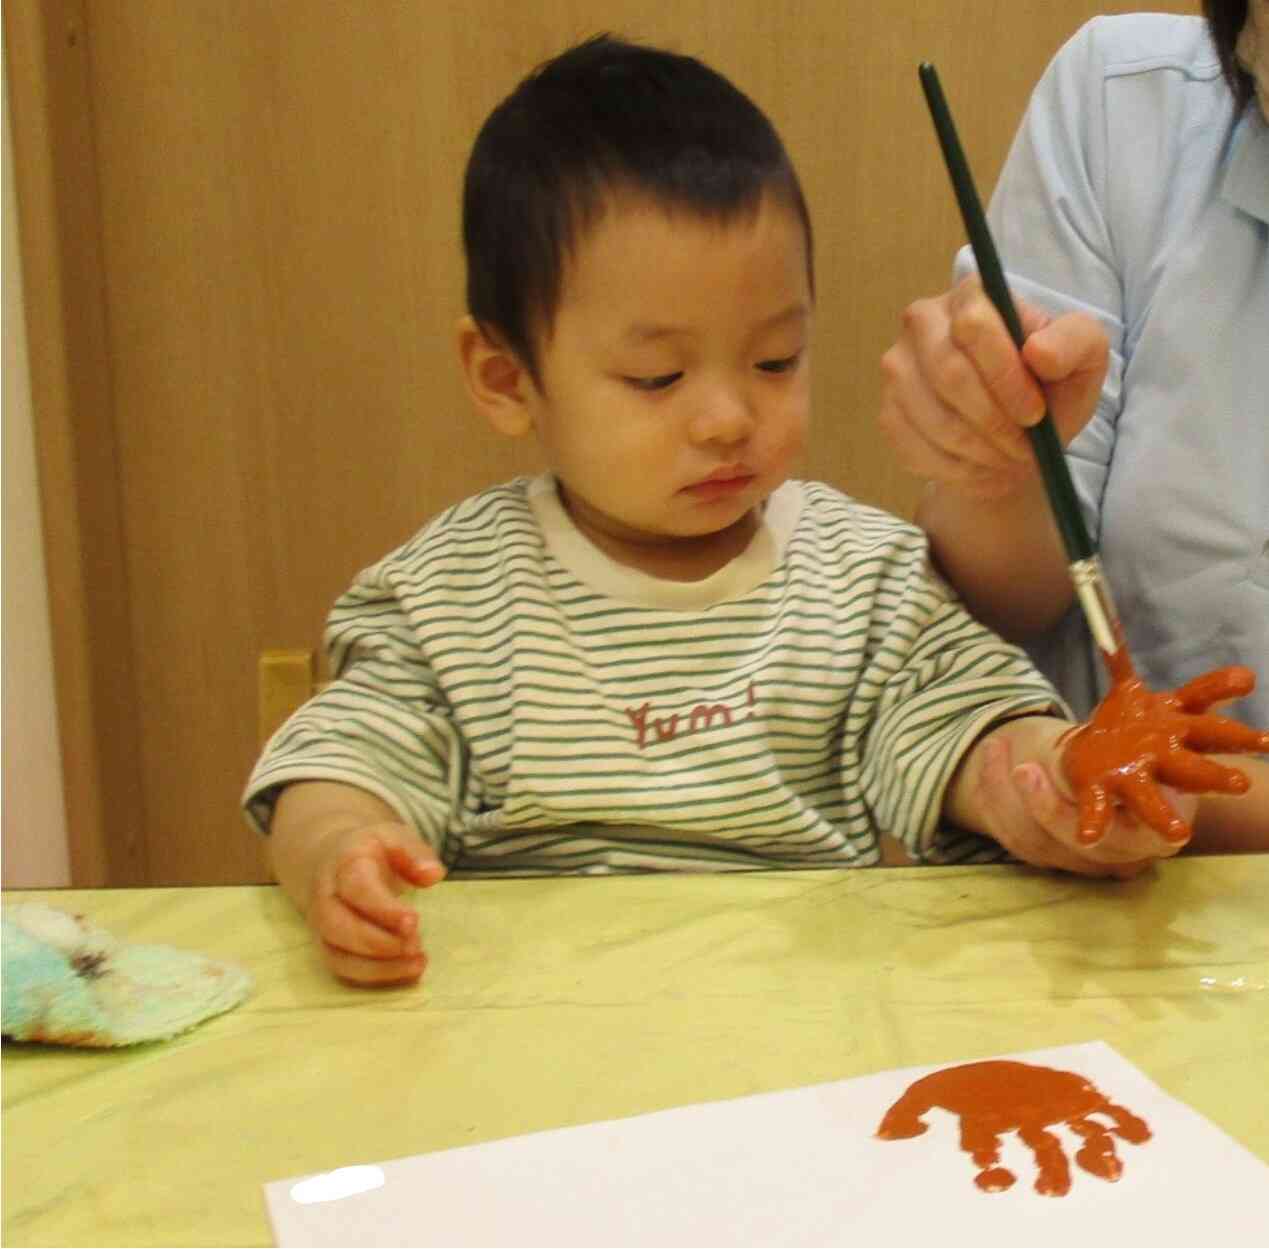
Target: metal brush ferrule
(1099, 608)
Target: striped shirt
(530, 706)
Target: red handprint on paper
(999, 1096)
(1137, 739)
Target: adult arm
(956, 398)
(1234, 824)
(956, 393)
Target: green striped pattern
(526, 723)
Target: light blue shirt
(1133, 194)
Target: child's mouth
(719, 488)
(722, 486)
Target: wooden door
(240, 230)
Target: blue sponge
(68, 982)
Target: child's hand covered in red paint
(1137, 739)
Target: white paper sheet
(797, 1167)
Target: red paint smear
(991, 1098)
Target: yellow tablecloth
(556, 1002)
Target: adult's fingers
(953, 355)
(1069, 357)
(1013, 395)
(930, 438)
(1051, 812)
(925, 459)
(1020, 811)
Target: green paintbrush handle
(1044, 439)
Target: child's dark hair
(603, 117)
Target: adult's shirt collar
(1246, 183)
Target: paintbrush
(1085, 566)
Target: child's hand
(1017, 793)
(1137, 738)
(369, 936)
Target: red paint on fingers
(1137, 739)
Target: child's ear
(499, 385)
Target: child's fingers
(368, 883)
(372, 972)
(421, 868)
(1143, 797)
(1217, 686)
(341, 927)
(1197, 775)
(367, 934)
(1217, 733)
(1094, 815)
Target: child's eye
(653, 383)
(783, 365)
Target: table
(561, 1001)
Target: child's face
(676, 380)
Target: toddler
(664, 653)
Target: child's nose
(727, 417)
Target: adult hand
(957, 394)
(368, 935)
(1024, 810)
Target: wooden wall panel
(276, 192)
(51, 101)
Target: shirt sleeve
(382, 725)
(942, 680)
(1049, 219)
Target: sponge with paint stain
(67, 982)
